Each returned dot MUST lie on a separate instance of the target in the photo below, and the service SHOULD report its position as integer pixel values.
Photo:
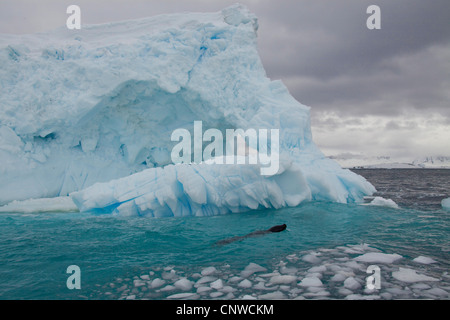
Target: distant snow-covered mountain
(351, 160)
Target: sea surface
(317, 257)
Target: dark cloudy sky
(377, 92)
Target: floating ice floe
(424, 260)
(183, 284)
(208, 271)
(378, 257)
(282, 279)
(410, 275)
(446, 204)
(310, 282)
(251, 269)
(380, 202)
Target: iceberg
(381, 202)
(445, 203)
(89, 113)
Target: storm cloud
(389, 86)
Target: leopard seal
(256, 233)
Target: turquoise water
(112, 252)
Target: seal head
(278, 228)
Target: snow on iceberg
(98, 105)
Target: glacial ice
(90, 113)
(446, 204)
(58, 204)
(382, 202)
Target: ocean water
(175, 258)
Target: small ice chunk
(315, 274)
(437, 292)
(205, 280)
(424, 260)
(315, 289)
(218, 284)
(386, 295)
(203, 289)
(382, 202)
(397, 291)
(228, 289)
(351, 283)
(261, 286)
(156, 283)
(122, 288)
(410, 275)
(287, 270)
(277, 295)
(145, 277)
(361, 247)
(169, 275)
(234, 279)
(317, 269)
(311, 258)
(248, 297)
(285, 288)
(208, 271)
(353, 265)
(354, 297)
(339, 277)
(310, 282)
(185, 295)
(183, 284)
(378, 257)
(138, 283)
(245, 284)
(320, 293)
(292, 257)
(420, 286)
(282, 279)
(251, 269)
(345, 292)
(446, 204)
(131, 297)
(216, 294)
(168, 288)
(268, 275)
